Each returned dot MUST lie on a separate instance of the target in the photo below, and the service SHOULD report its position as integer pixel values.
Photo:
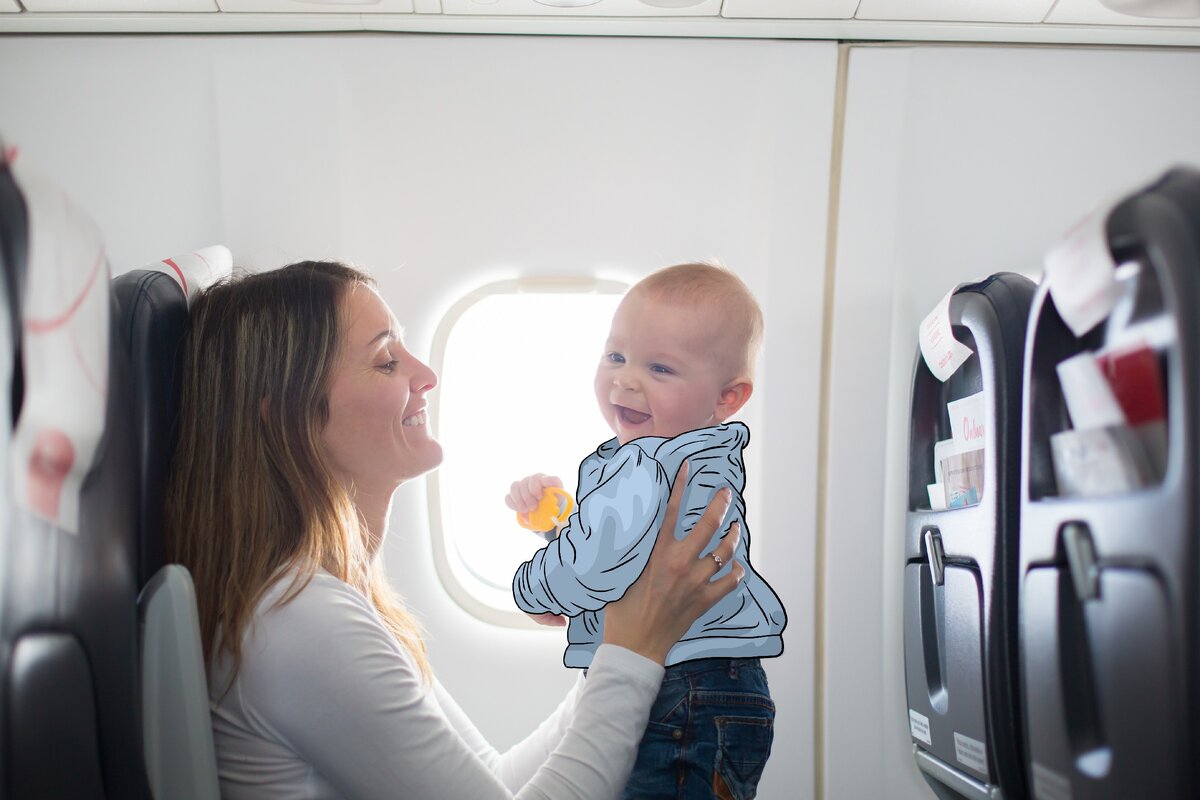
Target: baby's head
(680, 353)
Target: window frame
(462, 595)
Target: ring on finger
(716, 558)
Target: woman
(302, 412)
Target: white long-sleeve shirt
(327, 704)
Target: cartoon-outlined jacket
(623, 493)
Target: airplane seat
(69, 710)
(181, 763)
(13, 245)
(153, 306)
(1109, 551)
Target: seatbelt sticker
(918, 726)
(943, 353)
(1081, 273)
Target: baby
(678, 363)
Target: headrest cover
(196, 271)
(12, 226)
(65, 333)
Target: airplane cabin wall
(446, 162)
(958, 162)
(443, 163)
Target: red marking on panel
(47, 325)
(182, 280)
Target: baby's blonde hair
(715, 287)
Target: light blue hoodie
(623, 492)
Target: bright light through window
(515, 397)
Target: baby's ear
(732, 398)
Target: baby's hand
(525, 494)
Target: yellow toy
(552, 511)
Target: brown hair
(716, 287)
(250, 494)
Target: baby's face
(662, 370)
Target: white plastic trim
(1093, 12)
(955, 10)
(320, 6)
(789, 9)
(606, 8)
(835, 30)
(176, 725)
(83, 6)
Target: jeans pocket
(672, 707)
(743, 746)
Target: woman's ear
(732, 398)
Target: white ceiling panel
(596, 8)
(789, 9)
(955, 10)
(119, 5)
(1092, 12)
(320, 6)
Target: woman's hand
(676, 586)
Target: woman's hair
(251, 495)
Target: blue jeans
(709, 734)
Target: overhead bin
(88, 6)
(1175, 13)
(595, 8)
(320, 6)
(789, 9)
(961, 534)
(955, 10)
(1110, 552)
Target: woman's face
(378, 435)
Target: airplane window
(515, 362)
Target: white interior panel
(789, 9)
(988, 155)
(320, 6)
(599, 8)
(83, 6)
(443, 163)
(9, 6)
(1093, 12)
(956, 10)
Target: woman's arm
(622, 509)
(324, 677)
(678, 585)
(517, 765)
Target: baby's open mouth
(631, 417)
